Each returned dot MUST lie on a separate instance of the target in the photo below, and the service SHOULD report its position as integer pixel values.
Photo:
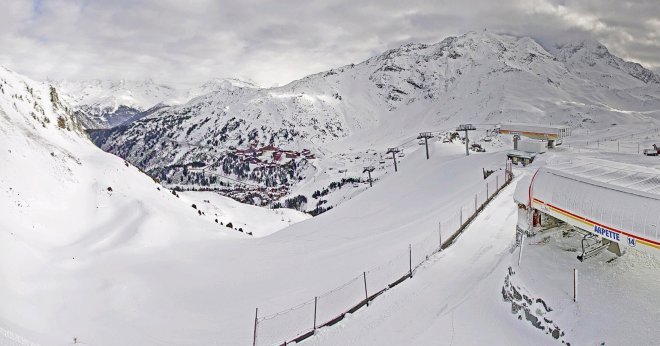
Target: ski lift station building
(551, 133)
(617, 202)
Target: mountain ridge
(481, 78)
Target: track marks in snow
(9, 338)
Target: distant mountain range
(103, 104)
(477, 78)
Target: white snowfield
(260, 222)
(140, 266)
(68, 207)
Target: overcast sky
(274, 42)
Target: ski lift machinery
(613, 204)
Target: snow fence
(300, 322)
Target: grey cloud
(273, 42)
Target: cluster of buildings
(538, 138)
(269, 154)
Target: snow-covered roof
(599, 193)
(625, 177)
(547, 126)
(521, 194)
(522, 154)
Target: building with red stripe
(619, 203)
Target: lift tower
(426, 136)
(369, 169)
(394, 151)
(466, 128)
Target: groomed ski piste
(476, 292)
(167, 275)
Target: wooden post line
(426, 136)
(369, 169)
(394, 151)
(466, 128)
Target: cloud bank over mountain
(274, 42)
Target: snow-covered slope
(66, 204)
(479, 78)
(178, 279)
(58, 186)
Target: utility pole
(426, 136)
(466, 128)
(394, 151)
(369, 169)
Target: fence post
(475, 203)
(410, 260)
(522, 244)
(256, 320)
(366, 295)
(461, 217)
(575, 288)
(316, 300)
(440, 235)
(487, 192)
(497, 182)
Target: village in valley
(268, 154)
(258, 174)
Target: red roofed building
(269, 147)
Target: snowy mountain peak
(218, 85)
(229, 83)
(592, 54)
